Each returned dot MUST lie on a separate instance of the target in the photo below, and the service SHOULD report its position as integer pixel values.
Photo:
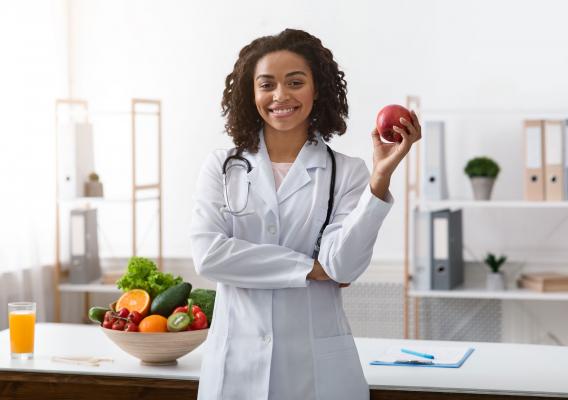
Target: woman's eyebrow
(265, 76)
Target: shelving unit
(452, 204)
(481, 293)
(88, 288)
(413, 202)
(148, 192)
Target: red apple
(388, 117)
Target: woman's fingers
(402, 132)
(416, 123)
(377, 140)
(410, 128)
(318, 273)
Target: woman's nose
(280, 94)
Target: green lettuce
(142, 273)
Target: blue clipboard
(425, 363)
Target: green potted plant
(93, 188)
(495, 279)
(482, 172)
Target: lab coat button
(267, 339)
(272, 229)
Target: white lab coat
(276, 335)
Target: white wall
(482, 65)
(33, 73)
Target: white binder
(422, 273)
(554, 156)
(565, 140)
(434, 179)
(534, 160)
(76, 159)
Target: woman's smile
(282, 111)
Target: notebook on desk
(424, 356)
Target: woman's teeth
(283, 110)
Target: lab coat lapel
(311, 156)
(261, 177)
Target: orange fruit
(134, 300)
(153, 323)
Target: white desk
(498, 371)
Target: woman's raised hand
(387, 156)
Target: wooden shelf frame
(86, 289)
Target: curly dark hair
(329, 111)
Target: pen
(416, 353)
(409, 362)
(414, 362)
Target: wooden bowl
(160, 348)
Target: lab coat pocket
(338, 369)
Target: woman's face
(284, 91)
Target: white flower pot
(495, 281)
(482, 187)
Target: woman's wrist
(380, 186)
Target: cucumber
(175, 296)
(97, 314)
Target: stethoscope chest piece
(236, 185)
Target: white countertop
(500, 368)
(492, 368)
(76, 340)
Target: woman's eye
(296, 83)
(265, 85)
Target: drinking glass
(21, 318)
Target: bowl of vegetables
(157, 348)
(158, 318)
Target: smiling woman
(307, 228)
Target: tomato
(131, 327)
(135, 317)
(108, 316)
(123, 313)
(119, 325)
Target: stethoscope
(242, 162)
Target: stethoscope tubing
(239, 213)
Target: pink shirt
(280, 170)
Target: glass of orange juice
(21, 318)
